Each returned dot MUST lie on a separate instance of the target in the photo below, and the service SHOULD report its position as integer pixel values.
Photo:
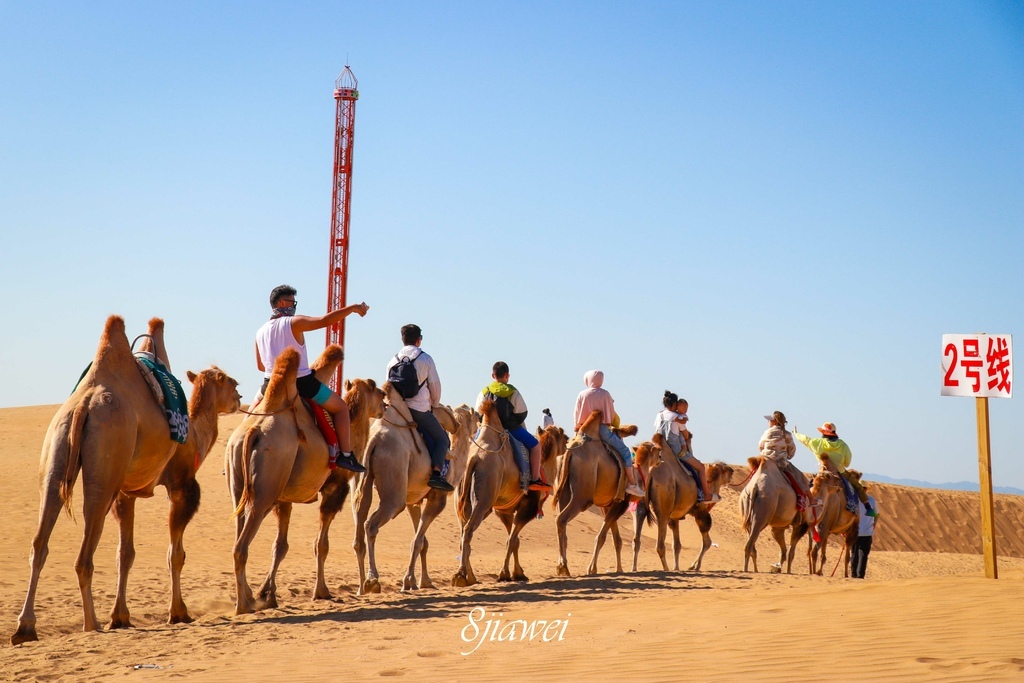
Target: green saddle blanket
(175, 404)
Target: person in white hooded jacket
(595, 398)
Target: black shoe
(347, 461)
(436, 481)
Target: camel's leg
(184, 503)
(361, 503)
(818, 553)
(750, 548)
(677, 544)
(662, 532)
(332, 498)
(799, 529)
(124, 513)
(779, 534)
(480, 510)
(703, 521)
(514, 526)
(49, 510)
(422, 519)
(244, 602)
(508, 520)
(611, 515)
(617, 540)
(268, 590)
(390, 505)
(639, 517)
(95, 512)
(566, 515)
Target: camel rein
(409, 425)
(501, 443)
(291, 404)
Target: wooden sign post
(981, 366)
(988, 534)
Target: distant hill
(954, 486)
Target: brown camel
(768, 500)
(590, 474)
(493, 483)
(671, 495)
(114, 431)
(278, 457)
(398, 465)
(835, 519)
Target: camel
(114, 431)
(398, 465)
(278, 457)
(671, 495)
(493, 483)
(768, 500)
(590, 475)
(835, 519)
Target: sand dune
(925, 612)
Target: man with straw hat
(835, 455)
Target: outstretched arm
(305, 323)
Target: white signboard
(979, 365)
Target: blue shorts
(523, 435)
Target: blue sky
(759, 206)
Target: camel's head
(489, 414)
(446, 418)
(553, 442)
(649, 453)
(216, 385)
(719, 474)
(469, 420)
(363, 395)
(824, 483)
(281, 389)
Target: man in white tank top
(286, 330)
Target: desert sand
(925, 611)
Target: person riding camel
(777, 443)
(835, 455)
(286, 330)
(595, 398)
(421, 403)
(512, 411)
(671, 424)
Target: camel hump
(489, 412)
(113, 347)
(156, 325)
(330, 356)
(592, 425)
(286, 367)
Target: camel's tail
(748, 509)
(561, 480)
(74, 456)
(649, 516)
(465, 491)
(365, 487)
(248, 443)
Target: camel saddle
(168, 392)
(620, 487)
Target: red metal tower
(345, 96)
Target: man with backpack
(512, 412)
(413, 375)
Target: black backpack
(402, 376)
(506, 413)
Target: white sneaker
(714, 498)
(635, 490)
